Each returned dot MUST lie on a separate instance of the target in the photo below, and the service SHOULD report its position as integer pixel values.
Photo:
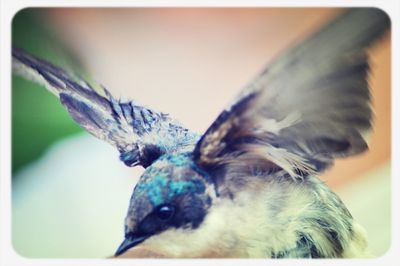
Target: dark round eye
(165, 212)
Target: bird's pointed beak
(129, 243)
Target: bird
(249, 186)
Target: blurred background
(70, 191)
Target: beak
(129, 243)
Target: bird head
(173, 193)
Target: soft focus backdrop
(70, 192)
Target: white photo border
(8, 9)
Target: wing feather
(139, 133)
(309, 106)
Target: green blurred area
(38, 118)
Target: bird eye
(165, 212)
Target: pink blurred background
(191, 62)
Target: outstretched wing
(308, 107)
(139, 133)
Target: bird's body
(274, 216)
(249, 186)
